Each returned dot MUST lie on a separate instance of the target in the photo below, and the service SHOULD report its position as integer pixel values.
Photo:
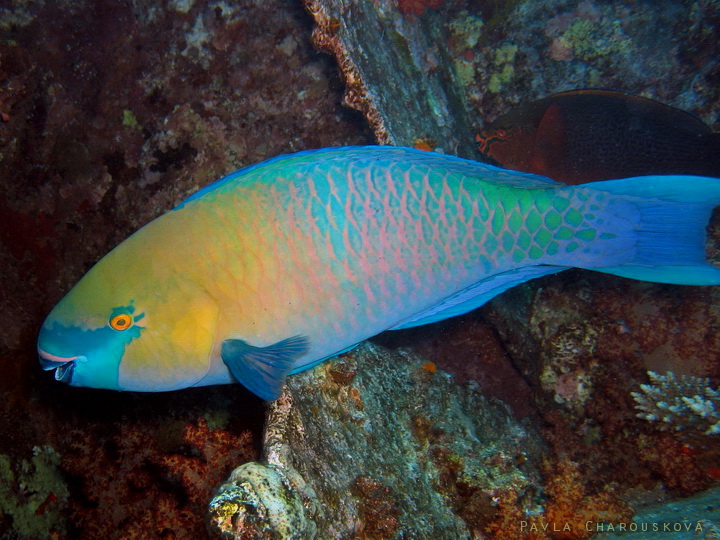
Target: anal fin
(476, 295)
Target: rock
(686, 519)
(258, 500)
(379, 443)
(396, 73)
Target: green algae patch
(33, 493)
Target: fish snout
(63, 366)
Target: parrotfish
(286, 263)
(588, 135)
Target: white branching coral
(679, 403)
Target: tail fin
(675, 213)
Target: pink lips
(47, 357)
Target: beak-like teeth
(50, 361)
(64, 372)
(63, 365)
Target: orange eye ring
(120, 322)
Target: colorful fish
(588, 135)
(286, 263)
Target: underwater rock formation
(396, 73)
(126, 109)
(111, 113)
(381, 444)
(584, 342)
(578, 342)
(687, 519)
(425, 70)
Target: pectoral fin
(262, 370)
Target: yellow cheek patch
(174, 348)
(194, 331)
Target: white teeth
(64, 372)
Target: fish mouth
(63, 366)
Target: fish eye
(501, 133)
(122, 321)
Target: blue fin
(671, 235)
(475, 296)
(262, 370)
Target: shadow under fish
(586, 135)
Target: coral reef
(568, 511)
(586, 44)
(126, 109)
(511, 521)
(110, 114)
(395, 71)
(584, 342)
(570, 508)
(677, 465)
(163, 491)
(32, 499)
(418, 7)
(679, 403)
(381, 444)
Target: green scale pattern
(548, 226)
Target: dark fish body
(588, 135)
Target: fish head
(527, 138)
(130, 325)
(505, 144)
